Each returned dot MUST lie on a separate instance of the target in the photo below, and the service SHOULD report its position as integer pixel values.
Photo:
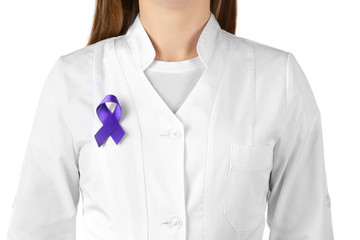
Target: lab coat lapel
(145, 97)
(141, 53)
(198, 104)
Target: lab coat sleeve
(299, 201)
(47, 194)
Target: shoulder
(268, 62)
(83, 56)
(72, 74)
(76, 68)
(276, 68)
(260, 48)
(263, 53)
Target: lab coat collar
(141, 46)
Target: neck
(174, 28)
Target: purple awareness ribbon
(111, 126)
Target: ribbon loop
(111, 126)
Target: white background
(322, 34)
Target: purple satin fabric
(111, 126)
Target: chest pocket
(247, 184)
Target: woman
(171, 127)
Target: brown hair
(114, 17)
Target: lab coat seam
(104, 178)
(286, 80)
(254, 94)
(104, 166)
(93, 77)
(140, 135)
(285, 102)
(208, 127)
(286, 77)
(93, 74)
(76, 153)
(205, 171)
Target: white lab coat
(248, 136)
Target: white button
(174, 133)
(175, 222)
